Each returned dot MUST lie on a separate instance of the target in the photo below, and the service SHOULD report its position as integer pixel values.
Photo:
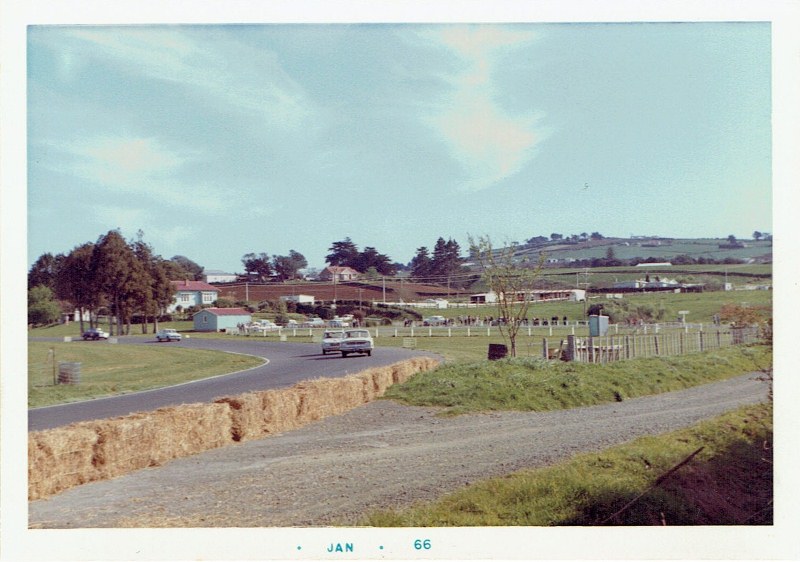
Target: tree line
(125, 278)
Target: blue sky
(221, 140)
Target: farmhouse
(192, 293)
(339, 273)
(217, 319)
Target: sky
(220, 140)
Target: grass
(108, 369)
(728, 483)
(532, 384)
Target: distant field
(627, 249)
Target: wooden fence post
(571, 347)
(545, 352)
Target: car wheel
(369, 353)
(344, 354)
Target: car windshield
(358, 334)
(330, 335)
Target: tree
(555, 236)
(421, 263)
(731, 239)
(288, 267)
(43, 309)
(511, 279)
(77, 282)
(45, 271)
(757, 235)
(191, 270)
(157, 290)
(446, 258)
(342, 253)
(258, 264)
(120, 276)
(370, 258)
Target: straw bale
(151, 438)
(59, 459)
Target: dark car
(95, 334)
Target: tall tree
(45, 271)
(288, 267)
(78, 284)
(370, 258)
(421, 263)
(120, 276)
(511, 279)
(157, 291)
(343, 253)
(446, 260)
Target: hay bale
(148, 439)
(59, 459)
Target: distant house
(192, 293)
(339, 273)
(217, 276)
(218, 319)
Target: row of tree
(264, 266)
(439, 267)
(125, 277)
(345, 253)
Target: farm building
(192, 293)
(218, 319)
(217, 276)
(540, 295)
(298, 299)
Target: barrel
(69, 373)
(497, 351)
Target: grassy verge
(532, 384)
(115, 369)
(728, 483)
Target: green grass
(728, 483)
(532, 384)
(108, 369)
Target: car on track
(95, 334)
(356, 341)
(168, 334)
(315, 322)
(331, 341)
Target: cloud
(130, 220)
(489, 143)
(137, 165)
(232, 73)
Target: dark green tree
(77, 282)
(45, 271)
(120, 276)
(258, 264)
(421, 263)
(191, 270)
(343, 253)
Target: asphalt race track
(288, 363)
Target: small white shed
(218, 319)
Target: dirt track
(380, 455)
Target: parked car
(263, 326)
(314, 322)
(433, 321)
(168, 334)
(331, 341)
(95, 334)
(356, 341)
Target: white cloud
(489, 143)
(233, 73)
(140, 166)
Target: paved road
(287, 364)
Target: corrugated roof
(226, 311)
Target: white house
(339, 273)
(192, 293)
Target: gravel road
(379, 455)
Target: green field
(533, 384)
(108, 369)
